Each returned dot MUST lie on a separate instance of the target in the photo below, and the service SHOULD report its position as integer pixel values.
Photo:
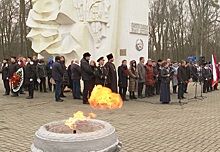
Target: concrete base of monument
(90, 135)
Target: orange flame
(103, 98)
(71, 122)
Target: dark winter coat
(112, 76)
(57, 71)
(65, 74)
(123, 76)
(206, 73)
(149, 75)
(13, 67)
(41, 71)
(29, 74)
(75, 72)
(49, 67)
(181, 75)
(164, 76)
(5, 71)
(100, 74)
(86, 70)
(188, 73)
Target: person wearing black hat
(101, 73)
(87, 75)
(112, 76)
(57, 75)
(29, 77)
(13, 67)
(5, 76)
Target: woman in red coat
(149, 79)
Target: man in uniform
(112, 76)
(5, 76)
(101, 72)
(13, 67)
(29, 77)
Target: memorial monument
(72, 27)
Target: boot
(133, 95)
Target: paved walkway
(142, 125)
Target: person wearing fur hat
(101, 73)
(133, 81)
(87, 75)
(29, 77)
(112, 76)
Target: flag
(214, 71)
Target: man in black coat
(29, 77)
(123, 79)
(87, 75)
(5, 76)
(57, 75)
(206, 73)
(112, 76)
(75, 77)
(101, 73)
(188, 76)
(182, 79)
(13, 67)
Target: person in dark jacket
(49, 72)
(188, 76)
(158, 79)
(57, 75)
(94, 68)
(65, 81)
(123, 79)
(13, 67)
(35, 60)
(112, 76)
(182, 79)
(29, 77)
(101, 72)
(41, 75)
(165, 84)
(87, 75)
(76, 76)
(206, 77)
(5, 76)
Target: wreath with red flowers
(17, 80)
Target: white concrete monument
(73, 27)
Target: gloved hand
(31, 80)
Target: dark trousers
(7, 86)
(43, 84)
(206, 86)
(186, 87)
(57, 90)
(140, 88)
(88, 86)
(49, 84)
(76, 89)
(122, 92)
(35, 84)
(149, 90)
(181, 90)
(31, 90)
(157, 87)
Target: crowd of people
(141, 80)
